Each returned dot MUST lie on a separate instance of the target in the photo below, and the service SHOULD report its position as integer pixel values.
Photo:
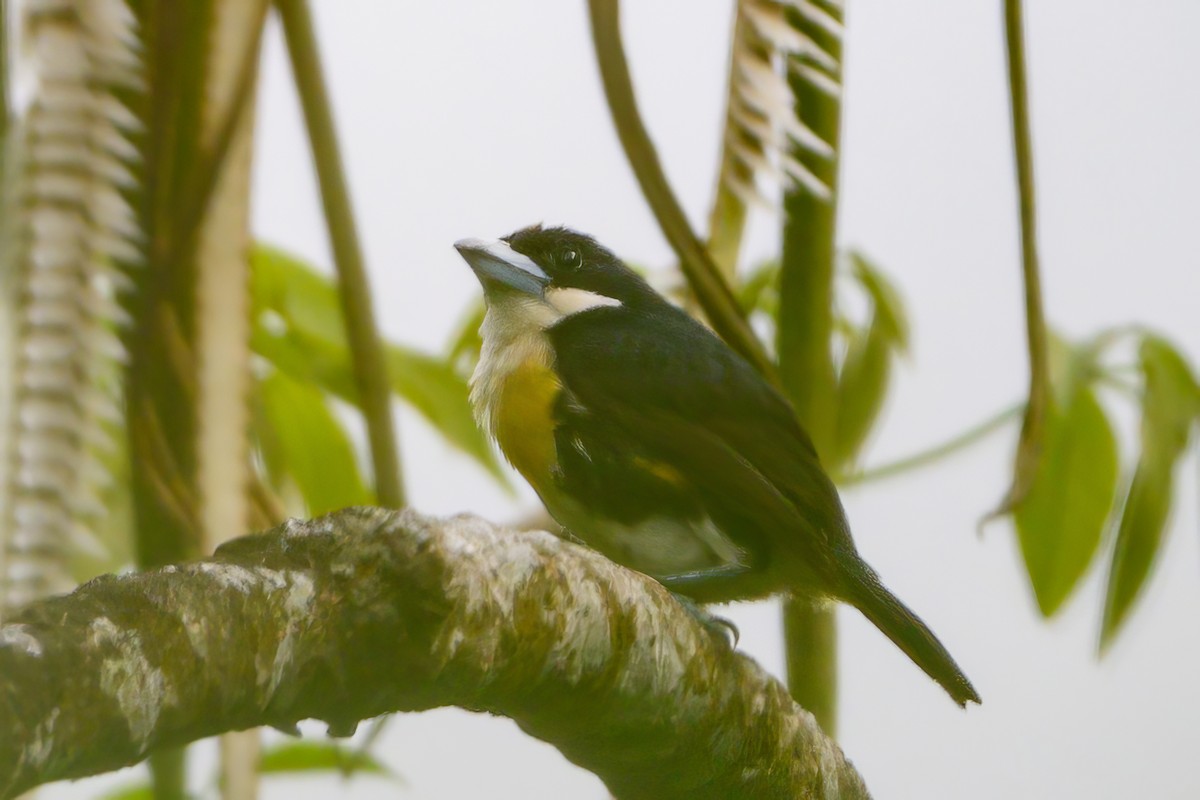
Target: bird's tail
(911, 635)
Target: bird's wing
(673, 386)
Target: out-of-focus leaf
(306, 340)
(1061, 519)
(866, 369)
(862, 388)
(759, 291)
(308, 360)
(314, 449)
(466, 343)
(291, 757)
(889, 313)
(1170, 406)
(273, 455)
(430, 385)
(135, 791)
(302, 297)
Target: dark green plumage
(662, 429)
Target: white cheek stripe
(571, 301)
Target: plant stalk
(806, 366)
(1034, 423)
(366, 347)
(168, 773)
(703, 275)
(161, 419)
(936, 453)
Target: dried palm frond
(762, 127)
(69, 232)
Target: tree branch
(367, 611)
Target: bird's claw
(719, 627)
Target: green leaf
(466, 342)
(299, 330)
(759, 290)
(301, 296)
(889, 313)
(1061, 520)
(309, 445)
(133, 791)
(866, 369)
(308, 360)
(440, 394)
(1170, 405)
(292, 757)
(862, 387)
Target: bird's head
(562, 270)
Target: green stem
(938, 452)
(810, 646)
(168, 773)
(160, 408)
(804, 339)
(703, 275)
(159, 389)
(366, 347)
(212, 155)
(1033, 425)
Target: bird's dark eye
(570, 259)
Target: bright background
(476, 117)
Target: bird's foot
(719, 627)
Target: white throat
(513, 334)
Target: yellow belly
(524, 421)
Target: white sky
(476, 117)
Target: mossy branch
(368, 611)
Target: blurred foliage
(302, 440)
(868, 347)
(1062, 521)
(866, 367)
(1170, 408)
(289, 758)
(322, 756)
(134, 791)
(758, 291)
(297, 331)
(1073, 497)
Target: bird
(653, 442)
